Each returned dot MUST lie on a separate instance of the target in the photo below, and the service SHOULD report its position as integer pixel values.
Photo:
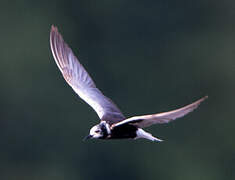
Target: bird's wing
(77, 77)
(160, 118)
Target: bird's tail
(140, 133)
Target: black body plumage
(125, 131)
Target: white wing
(77, 77)
(160, 118)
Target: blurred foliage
(148, 56)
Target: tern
(113, 124)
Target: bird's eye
(97, 131)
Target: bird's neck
(105, 128)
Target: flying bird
(113, 124)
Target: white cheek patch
(93, 129)
(95, 134)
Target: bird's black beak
(87, 137)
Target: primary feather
(160, 118)
(77, 77)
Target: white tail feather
(140, 133)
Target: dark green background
(148, 56)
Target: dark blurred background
(148, 56)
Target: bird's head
(99, 131)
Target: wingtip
(54, 33)
(54, 28)
(204, 98)
(198, 102)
